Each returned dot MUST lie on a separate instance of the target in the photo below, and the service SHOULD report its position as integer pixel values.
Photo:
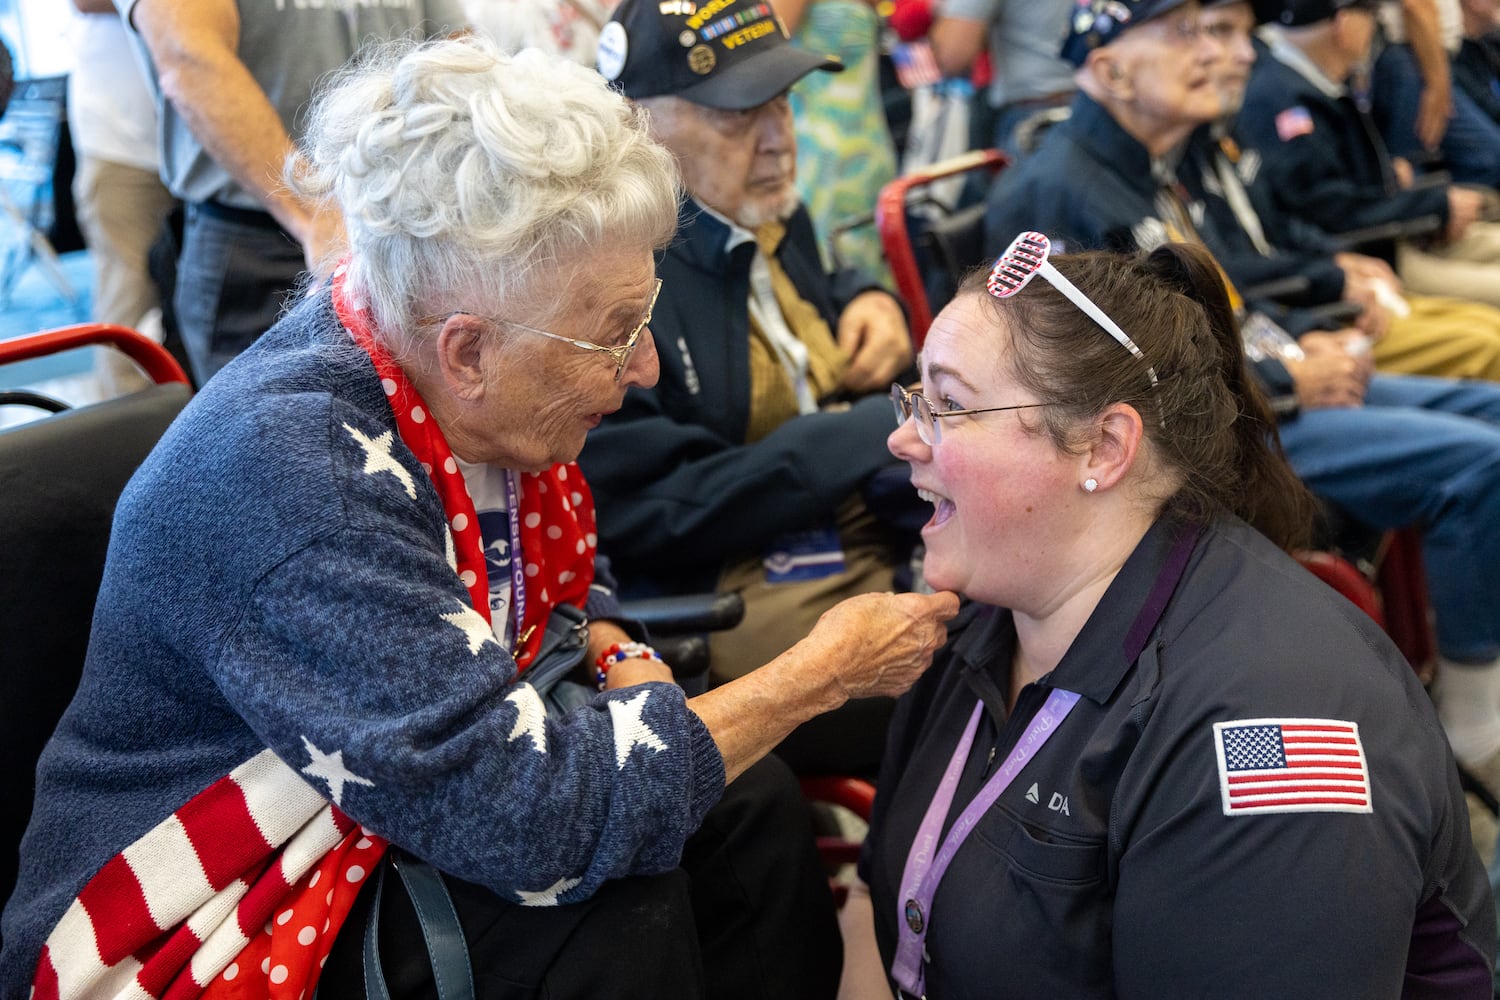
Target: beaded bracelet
(622, 651)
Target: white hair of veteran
(471, 179)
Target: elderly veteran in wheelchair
(756, 465)
(343, 617)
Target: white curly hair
(468, 178)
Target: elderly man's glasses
(914, 404)
(1025, 259)
(620, 352)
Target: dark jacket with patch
(1111, 867)
(1324, 161)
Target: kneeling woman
(1157, 757)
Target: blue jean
(233, 278)
(1471, 146)
(1423, 452)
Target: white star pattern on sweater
(473, 626)
(630, 729)
(378, 458)
(531, 716)
(330, 767)
(548, 896)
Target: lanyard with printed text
(924, 871)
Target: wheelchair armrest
(1422, 225)
(687, 613)
(679, 628)
(26, 397)
(1429, 179)
(1280, 288)
(688, 656)
(1342, 313)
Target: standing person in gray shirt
(1024, 40)
(233, 79)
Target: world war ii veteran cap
(727, 54)
(1099, 22)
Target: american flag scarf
(241, 892)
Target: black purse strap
(446, 948)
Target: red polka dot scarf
(558, 533)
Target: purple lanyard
(517, 571)
(923, 872)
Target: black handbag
(558, 676)
(446, 948)
(558, 672)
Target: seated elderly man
(1258, 241)
(1324, 160)
(742, 469)
(1390, 449)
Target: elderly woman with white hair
(336, 590)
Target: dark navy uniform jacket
(1297, 250)
(1110, 867)
(1088, 186)
(678, 488)
(1323, 159)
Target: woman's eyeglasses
(620, 353)
(1025, 259)
(914, 404)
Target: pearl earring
(1091, 484)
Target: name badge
(805, 555)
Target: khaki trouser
(778, 615)
(121, 210)
(1444, 337)
(1468, 269)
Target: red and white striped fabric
(173, 910)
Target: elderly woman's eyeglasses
(1024, 259)
(621, 353)
(909, 404)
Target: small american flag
(1293, 122)
(915, 65)
(1291, 765)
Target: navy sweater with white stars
(263, 591)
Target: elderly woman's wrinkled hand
(884, 641)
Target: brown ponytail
(1268, 493)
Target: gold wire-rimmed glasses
(620, 352)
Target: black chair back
(60, 477)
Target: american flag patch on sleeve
(1291, 765)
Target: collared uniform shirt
(1111, 866)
